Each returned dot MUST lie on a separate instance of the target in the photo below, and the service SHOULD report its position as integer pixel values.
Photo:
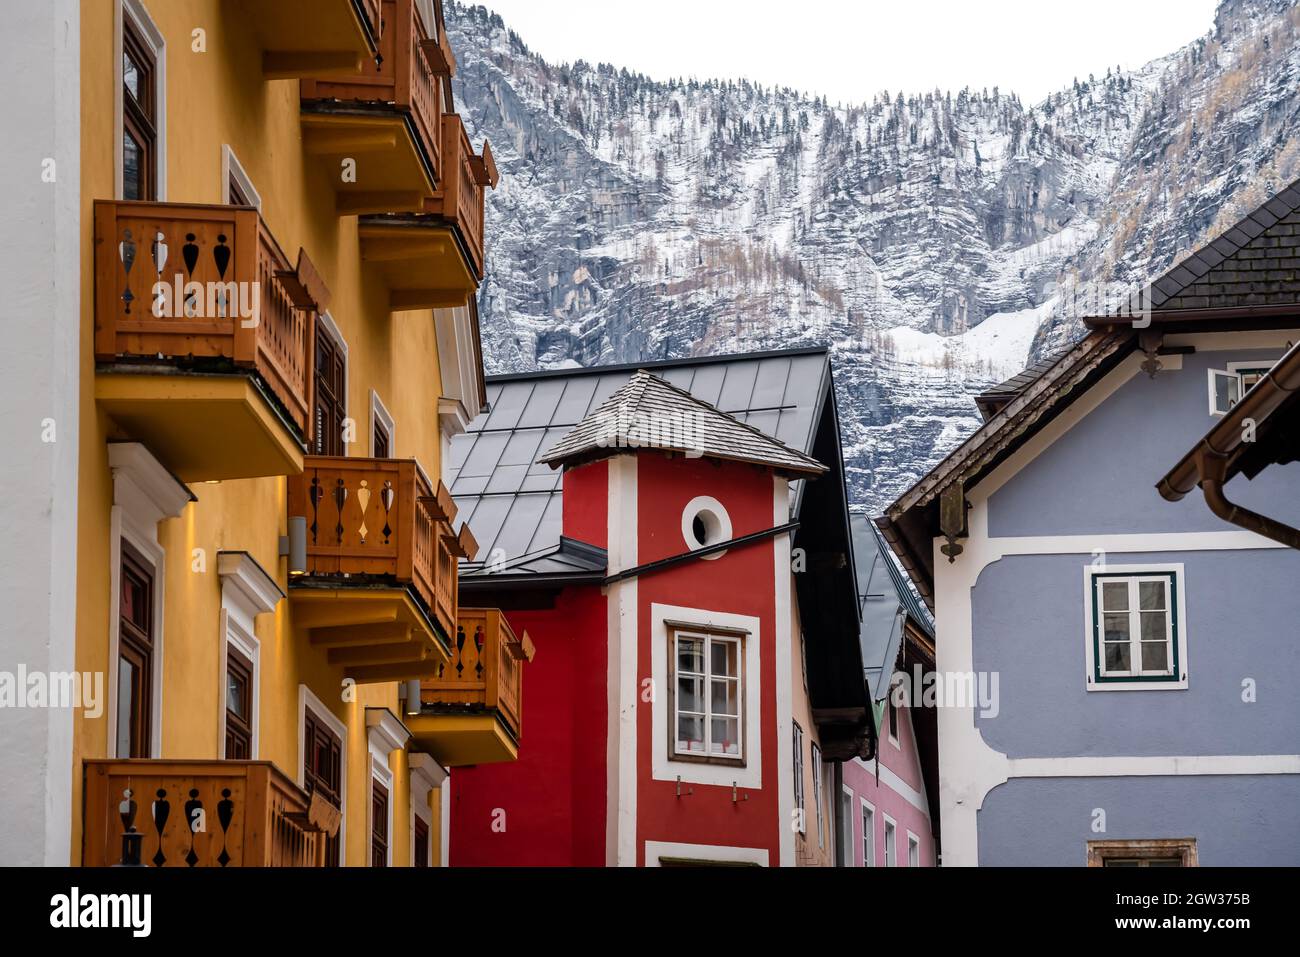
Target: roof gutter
(1212, 469)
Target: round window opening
(705, 522)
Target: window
(706, 690)
(1227, 386)
(139, 114)
(239, 705)
(893, 719)
(1169, 852)
(135, 656)
(381, 428)
(868, 835)
(705, 522)
(330, 391)
(817, 794)
(420, 842)
(1134, 628)
(378, 824)
(913, 850)
(891, 841)
(846, 827)
(798, 778)
(323, 772)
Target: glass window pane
(690, 694)
(690, 655)
(690, 733)
(1155, 656)
(131, 76)
(235, 695)
(1117, 656)
(1227, 390)
(724, 658)
(1114, 596)
(726, 736)
(131, 152)
(1151, 596)
(1115, 627)
(1154, 625)
(726, 697)
(125, 706)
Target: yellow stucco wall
(213, 98)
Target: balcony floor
(465, 738)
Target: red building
(687, 581)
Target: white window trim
(663, 767)
(817, 765)
(868, 840)
(308, 700)
(149, 32)
(891, 847)
(381, 772)
(379, 415)
(849, 830)
(913, 842)
(246, 592)
(892, 712)
(800, 768)
(708, 638)
(231, 168)
(144, 494)
(654, 850)
(1138, 683)
(705, 504)
(427, 776)
(1234, 371)
(385, 733)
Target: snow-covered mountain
(921, 235)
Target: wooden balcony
(311, 38)
(472, 709)
(434, 259)
(203, 329)
(198, 814)
(385, 122)
(378, 592)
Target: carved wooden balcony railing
(198, 814)
(379, 520)
(404, 80)
(485, 672)
(205, 288)
(460, 197)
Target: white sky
(851, 50)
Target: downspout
(1212, 468)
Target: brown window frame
(239, 730)
(740, 637)
(420, 842)
(329, 391)
(137, 643)
(379, 836)
(140, 115)
(1142, 852)
(317, 737)
(382, 441)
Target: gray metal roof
(887, 600)
(647, 412)
(512, 502)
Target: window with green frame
(1135, 627)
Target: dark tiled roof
(885, 596)
(513, 503)
(649, 413)
(995, 398)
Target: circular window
(705, 522)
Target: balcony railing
(197, 814)
(379, 520)
(404, 79)
(486, 669)
(460, 197)
(205, 287)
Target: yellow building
(278, 240)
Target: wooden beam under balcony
(311, 38)
(374, 633)
(421, 261)
(371, 159)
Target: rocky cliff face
(920, 235)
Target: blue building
(1117, 663)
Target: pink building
(886, 815)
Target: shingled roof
(650, 413)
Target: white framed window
(913, 850)
(891, 842)
(799, 804)
(246, 592)
(382, 429)
(817, 794)
(427, 777)
(846, 826)
(705, 522)
(868, 834)
(309, 703)
(1227, 386)
(893, 718)
(133, 19)
(1136, 636)
(706, 690)
(237, 188)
